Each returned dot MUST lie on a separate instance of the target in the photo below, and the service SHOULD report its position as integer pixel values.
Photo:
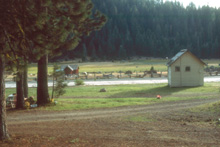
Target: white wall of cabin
(194, 77)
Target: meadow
(89, 97)
(114, 66)
(134, 65)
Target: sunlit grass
(143, 90)
(207, 113)
(137, 65)
(116, 66)
(211, 107)
(89, 97)
(78, 104)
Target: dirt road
(157, 125)
(39, 116)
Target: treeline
(151, 28)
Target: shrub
(31, 100)
(79, 82)
(58, 86)
(152, 70)
(27, 104)
(128, 72)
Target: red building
(70, 69)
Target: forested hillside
(151, 28)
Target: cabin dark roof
(71, 67)
(179, 54)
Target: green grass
(143, 91)
(132, 65)
(32, 69)
(207, 113)
(137, 65)
(212, 62)
(89, 97)
(32, 91)
(78, 104)
(116, 67)
(211, 107)
(79, 82)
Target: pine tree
(84, 53)
(94, 56)
(3, 125)
(155, 20)
(14, 34)
(3, 51)
(58, 25)
(79, 22)
(58, 87)
(122, 52)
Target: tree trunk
(20, 91)
(3, 126)
(53, 86)
(42, 81)
(25, 80)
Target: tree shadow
(150, 92)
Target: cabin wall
(192, 77)
(169, 75)
(70, 72)
(67, 71)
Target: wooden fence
(111, 75)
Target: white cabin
(185, 69)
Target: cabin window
(187, 69)
(177, 68)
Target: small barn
(185, 69)
(70, 69)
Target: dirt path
(39, 116)
(164, 124)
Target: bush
(60, 88)
(31, 100)
(128, 72)
(27, 104)
(79, 82)
(152, 70)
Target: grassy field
(116, 66)
(86, 97)
(212, 107)
(89, 97)
(139, 65)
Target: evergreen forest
(151, 28)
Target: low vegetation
(212, 107)
(79, 82)
(117, 66)
(89, 97)
(210, 110)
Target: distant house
(185, 69)
(70, 69)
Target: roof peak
(184, 50)
(179, 54)
(72, 67)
